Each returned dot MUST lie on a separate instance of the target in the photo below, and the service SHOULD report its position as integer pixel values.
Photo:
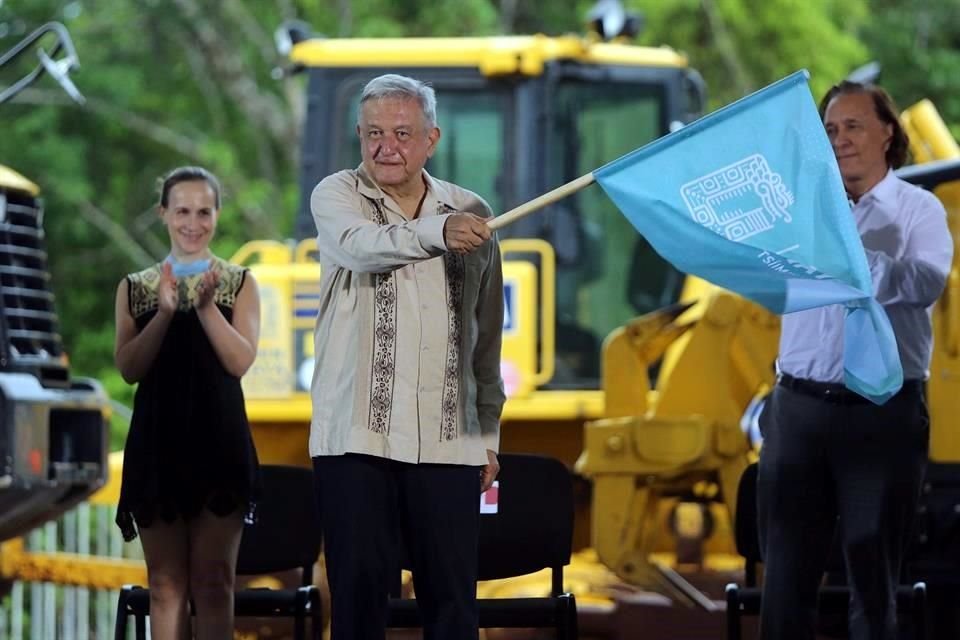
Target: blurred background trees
(172, 82)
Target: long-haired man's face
(859, 137)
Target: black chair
(835, 599)
(286, 536)
(532, 530)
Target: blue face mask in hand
(184, 269)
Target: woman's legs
(167, 554)
(214, 544)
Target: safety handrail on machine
(58, 69)
(548, 266)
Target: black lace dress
(189, 446)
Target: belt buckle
(843, 396)
(831, 396)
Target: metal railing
(69, 550)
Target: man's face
(395, 141)
(860, 140)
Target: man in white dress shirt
(406, 391)
(827, 452)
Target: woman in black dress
(186, 332)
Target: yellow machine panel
(10, 179)
(493, 56)
(931, 141)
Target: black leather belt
(837, 393)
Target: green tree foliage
(740, 46)
(917, 43)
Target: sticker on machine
(490, 499)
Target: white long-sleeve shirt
(909, 249)
(408, 336)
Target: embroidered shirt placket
(421, 349)
(455, 276)
(385, 345)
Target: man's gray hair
(392, 85)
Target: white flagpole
(540, 202)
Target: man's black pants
(822, 459)
(366, 503)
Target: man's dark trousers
(827, 456)
(365, 504)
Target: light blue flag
(751, 199)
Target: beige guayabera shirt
(408, 336)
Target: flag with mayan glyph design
(750, 198)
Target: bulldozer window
(606, 272)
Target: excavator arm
(716, 357)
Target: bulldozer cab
(520, 116)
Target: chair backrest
(746, 535)
(745, 525)
(286, 534)
(533, 526)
